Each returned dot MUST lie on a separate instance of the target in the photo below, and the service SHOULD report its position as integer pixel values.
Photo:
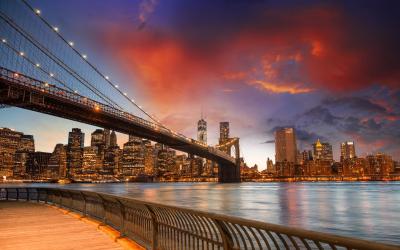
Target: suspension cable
(58, 61)
(36, 65)
(105, 77)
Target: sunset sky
(331, 69)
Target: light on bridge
(125, 94)
(84, 56)
(37, 11)
(21, 53)
(16, 75)
(51, 74)
(55, 29)
(37, 65)
(107, 77)
(46, 84)
(97, 108)
(4, 40)
(75, 91)
(116, 86)
(71, 43)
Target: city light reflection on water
(369, 210)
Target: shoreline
(215, 180)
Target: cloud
(279, 89)
(146, 7)
(269, 141)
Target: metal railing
(50, 89)
(157, 226)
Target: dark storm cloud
(269, 141)
(357, 103)
(321, 113)
(307, 136)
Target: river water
(369, 210)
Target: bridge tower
(228, 172)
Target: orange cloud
(316, 49)
(280, 88)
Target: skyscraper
(347, 150)
(322, 151)
(223, 132)
(113, 139)
(133, 157)
(107, 138)
(14, 150)
(57, 163)
(285, 145)
(202, 131)
(76, 141)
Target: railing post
(27, 194)
(225, 235)
(84, 203)
(154, 241)
(122, 211)
(47, 197)
(104, 209)
(60, 199)
(17, 193)
(6, 194)
(37, 195)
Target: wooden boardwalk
(25, 225)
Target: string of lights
(58, 62)
(84, 57)
(35, 64)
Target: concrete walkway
(25, 225)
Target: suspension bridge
(43, 71)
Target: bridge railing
(47, 88)
(157, 226)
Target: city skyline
(313, 79)
(316, 150)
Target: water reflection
(369, 210)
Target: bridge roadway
(26, 225)
(28, 93)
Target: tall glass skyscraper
(347, 150)
(285, 145)
(223, 132)
(202, 131)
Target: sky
(330, 69)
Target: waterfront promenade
(27, 225)
(152, 225)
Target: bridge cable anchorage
(25, 57)
(84, 58)
(59, 62)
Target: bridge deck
(25, 225)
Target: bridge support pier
(228, 173)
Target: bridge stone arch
(230, 173)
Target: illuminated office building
(285, 145)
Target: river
(369, 210)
